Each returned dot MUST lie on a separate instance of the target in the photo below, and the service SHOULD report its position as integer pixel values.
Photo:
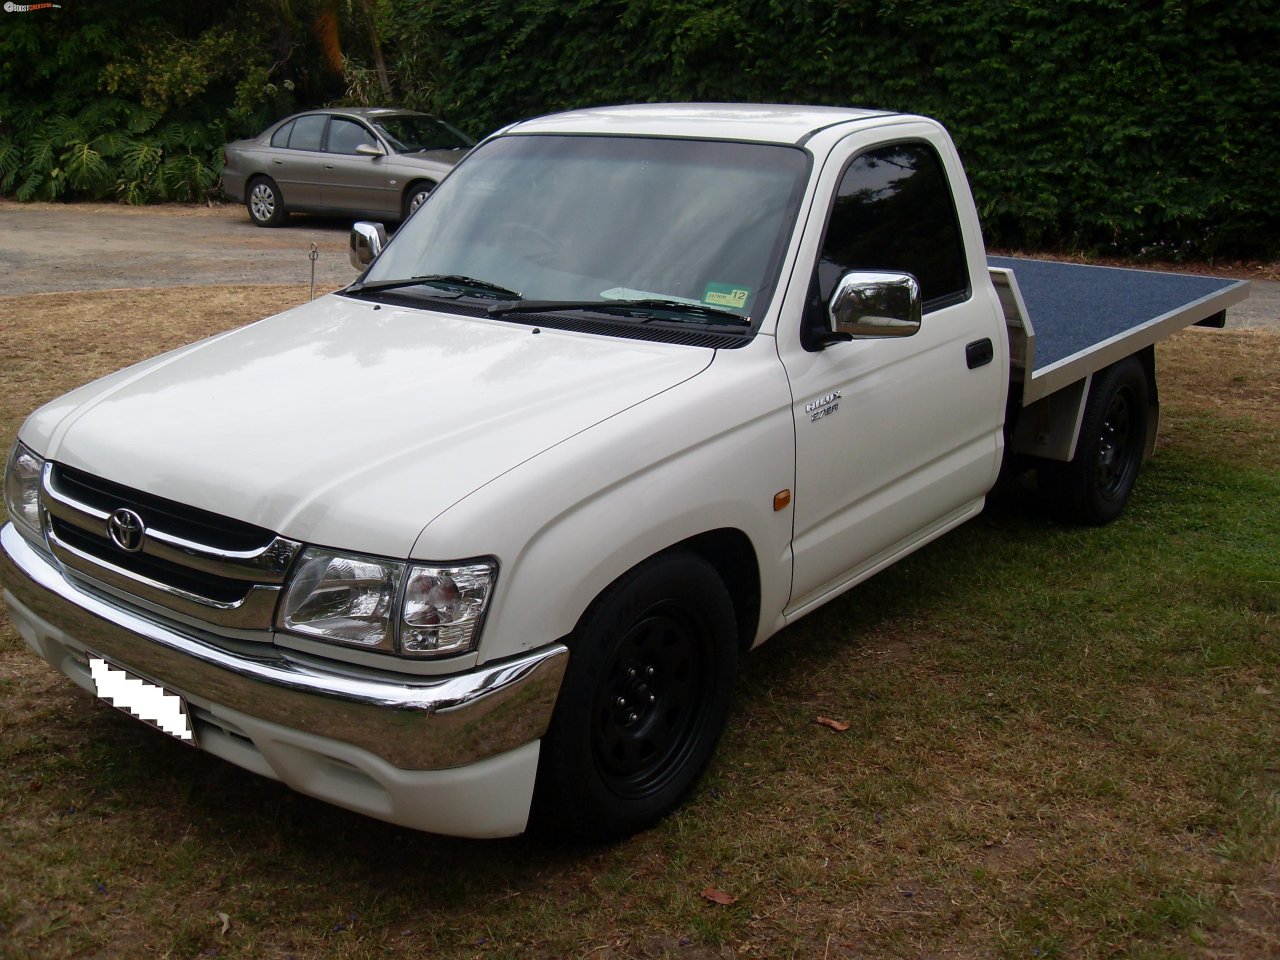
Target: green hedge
(1134, 127)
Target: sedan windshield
(587, 219)
(414, 133)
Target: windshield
(413, 133)
(585, 218)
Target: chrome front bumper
(419, 724)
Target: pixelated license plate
(142, 699)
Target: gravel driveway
(47, 247)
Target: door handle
(328, 166)
(979, 353)
(278, 162)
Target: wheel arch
(1147, 357)
(418, 180)
(255, 175)
(732, 555)
(1115, 435)
(1049, 428)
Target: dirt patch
(1250, 930)
(1233, 373)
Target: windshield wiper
(442, 280)
(643, 307)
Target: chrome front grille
(215, 569)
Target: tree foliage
(1140, 126)
(134, 99)
(1135, 126)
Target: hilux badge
(823, 407)
(126, 530)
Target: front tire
(1093, 488)
(415, 197)
(264, 203)
(643, 703)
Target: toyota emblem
(126, 530)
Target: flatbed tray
(1077, 318)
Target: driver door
(899, 437)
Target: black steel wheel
(644, 700)
(1095, 485)
(264, 203)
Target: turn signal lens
(443, 608)
(22, 491)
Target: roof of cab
(758, 122)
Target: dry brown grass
(1222, 389)
(1227, 373)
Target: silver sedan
(361, 162)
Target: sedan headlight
(22, 490)
(385, 605)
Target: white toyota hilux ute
(484, 533)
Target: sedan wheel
(265, 206)
(415, 197)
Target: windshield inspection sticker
(726, 295)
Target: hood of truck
(346, 424)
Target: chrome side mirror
(368, 150)
(871, 305)
(367, 241)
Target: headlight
(443, 607)
(335, 596)
(418, 610)
(22, 490)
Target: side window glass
(895, 212)
(307, 132)
(281, 137)
(346, 135)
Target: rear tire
(643, 703)
(1093, 488)
(264, 202)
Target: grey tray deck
(1085, 317)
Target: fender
(569, 522)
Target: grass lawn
(1061, 743)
